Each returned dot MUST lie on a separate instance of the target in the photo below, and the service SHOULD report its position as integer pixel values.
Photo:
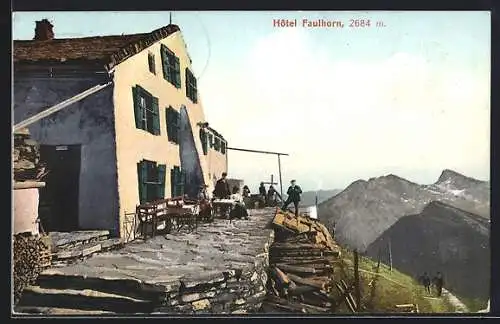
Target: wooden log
(320, 285)
(348, 302)
(297, 306)
(281, 276)
(296, 269)
(299, 290)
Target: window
(151, 63)
(191, 90)
(171, 66)
(151, 181)
(146, 111)
(217, 144)
(177, 181)
(173, 124)
(223, 147)
(211, 140)
(204, 141)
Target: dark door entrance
(59, 199)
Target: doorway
(58, 208)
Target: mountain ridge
(441, 238)
(365, 209)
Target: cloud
(341, 119)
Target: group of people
(269, 196)
(438, 282)
(223, 191)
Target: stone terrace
(219, 268)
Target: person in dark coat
(262, 194)
(271, 196)
(222, 190)
(246, 191)
(293, 192)
(426, 282)
(439, 282)
(262, 189)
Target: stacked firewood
(26, 157)
(31, 256)
(301, 266)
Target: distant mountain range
(441, 238)
(365, 209)
(308, 198)
(439, 227)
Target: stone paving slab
(61, 239)
(214, 248)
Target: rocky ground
(219, 268)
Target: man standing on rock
(293, 192)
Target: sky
(411, 98)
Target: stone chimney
(43, 30)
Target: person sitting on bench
(239, 211)
(204, 202)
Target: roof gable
(109, 50)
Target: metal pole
(356, 281)
(281, 182)
(59, 106)
(390, 253)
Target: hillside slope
(308, 198)
(391, 288)
(365, 209)
(441, 238)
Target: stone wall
(233, 292)
(219, 268)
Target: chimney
(43, 30)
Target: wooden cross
(272, 182)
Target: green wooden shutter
(194, 90)
(177, 125)
(137, 107)
(204, 142)
(162, 170)
(156, 117)
(165, 63)
(172, 182)
(182, 181)
(170, 124)
(167, 120)
(177, 73)
(142, 175)
(188, 80)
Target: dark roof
(110, 50)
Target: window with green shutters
(211, 140)
(151, 63)
(171, 66)
(204, 141)
(146, 111)
(151, 180)
(177, 181)
(191, 88)
(173, 124)
(223, 147)
(217, 144)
